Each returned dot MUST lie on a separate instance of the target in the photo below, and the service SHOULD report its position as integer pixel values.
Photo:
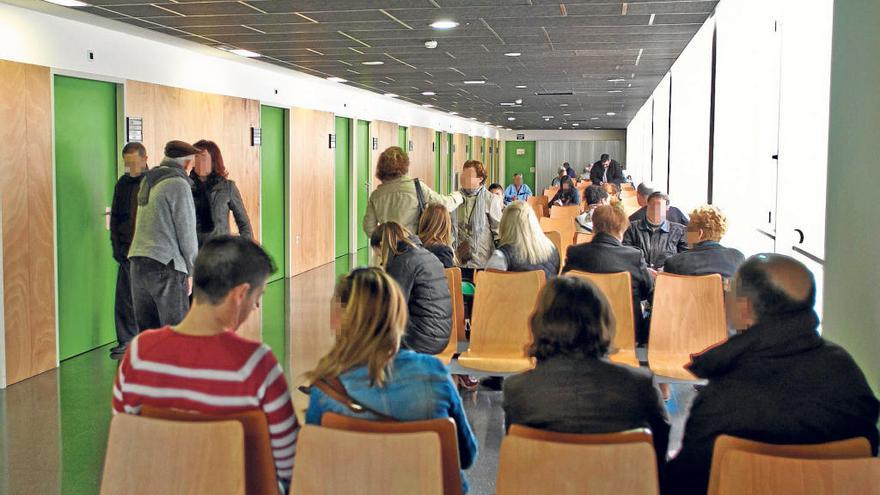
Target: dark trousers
(158, 293)
(126, 326)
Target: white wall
(60, 38)
(660, 162)
(639, 140)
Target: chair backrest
(550, 192)
(530, 465)
(444, 427)
(851, 448)
(756, 474)
(688, 313)
(583, 238)
(627, 187)
(556, 238)
(570, 211)
(540, 204)
(629, 436)
(565, 227)
(503, 304)
(453, 279)
(335, 462)
(617, 288)
(147, 456)
(260, 474)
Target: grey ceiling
(566, 47)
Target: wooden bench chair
(453, 280)
(583, 238)
(570, 211)
(566, 229)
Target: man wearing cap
(673, 214)
(606, 170)
(164, 247)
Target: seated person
(497, 189)
(423, 284)
(189, 366)
(655, 236)
(574, 388)
(567, 194)
(369, 316)
(517, 191)
(644, 190)
(435, 232)
(778, 381)
(569, 171)
(706, 255)
(523, 246)
(595, 197)
(561, 174)
(586, 173)
(605, 254)
(606, 170)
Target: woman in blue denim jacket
(370, 316)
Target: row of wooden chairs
(349, 455)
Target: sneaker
(467, 382)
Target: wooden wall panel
(387, 134)
(174, 113)
(421, 158)
(459, 154)
(27, 219)
(312, 184)
(444, 157)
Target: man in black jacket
(122, 220)
(673, 214)
(778, 381)
(655, 236)
(605, 254)
(606, 170)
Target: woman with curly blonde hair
(706, 255)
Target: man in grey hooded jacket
(165, 244)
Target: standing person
(215, 196)
(165, 244)
(655, 236)
(523, 246)
(367, 364)
(606, 170)
(397, 199)
(567, 195)
(517, 191)
(477, 220)
(423, 284)
(435, 232)
(122, 220)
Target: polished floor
(53, 427)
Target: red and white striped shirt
(209, 374)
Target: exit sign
(520, 137)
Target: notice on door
(520, 151)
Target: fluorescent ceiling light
(575, 124)
(453, 113)
(563, 104)
(427, 105)
(611, 114)
(373, 62)
(619, 79)
(566, 115)
(615, 91)
(651, 20)
(69, 3)
(487, 123)
(392, 95)
(444, 24)
(511, 118)
(337, 79)
(520, 86)
(548, 116)
(594, 118)
(472, 118)
(244, 53)
(512, 54)
(428, 93)
(476, 81)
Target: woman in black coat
(423, 283)
(215, 196)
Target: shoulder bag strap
(334, 388)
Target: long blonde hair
(521, 230)
(373, 321)
(386, 237)
(435, 227)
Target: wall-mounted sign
(520, 151)
(375, 143)
(520, 137)
(256, 136)
(332, 141)
(134, 129)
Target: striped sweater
(209, 374)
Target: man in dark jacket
(605, 254)
(776, 382)
(655, 236)
(606, 170)
(122, 219)
(673, 214)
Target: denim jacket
(418, 387)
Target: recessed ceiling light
(392, 95)
(453, 113)
(575, 124)
(337, 79)
(69, 3)
(373, 62)
(594, 118)
(511, 118)
(619, 79)
(513, 54)
(476, 81)
(518, 101)
(520, 86)
(611, 114)
(427, 105)
(244, 53)
(444, 24)
(563, 104)
(615, 91)
(487, 122)
(566, 115)
(428, 93)
(472, 118)
(548, 116)
(560, 128)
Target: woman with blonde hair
(706, 255)
(523, 245)
(367, 367)
(435, 232)
(423, 282)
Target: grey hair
(181, 160)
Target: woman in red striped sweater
(201, 364)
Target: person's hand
(189, 286)
(653, 273)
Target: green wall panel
(401, 138)
(363, 178)
(450, 174)
(86, 124)
(437, 161)
(522, 164)
(274, 321)
(273, 170)
(343, 184)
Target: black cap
(178, 149)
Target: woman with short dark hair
(574, 388)
(215, 195)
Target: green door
(437, 161)
(343, 184)
(449, 168)
(401, 138)
(363, 179)
(273, 186)
(86, 164)
(470, 148)
(515, 163)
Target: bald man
(777, 381)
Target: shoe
(493, 382)
(118, 349)
(467, 382)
